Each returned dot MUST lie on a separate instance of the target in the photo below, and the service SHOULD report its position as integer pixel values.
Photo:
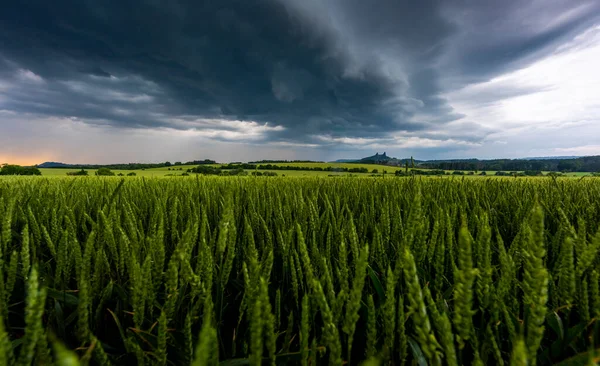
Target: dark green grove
(306, 271)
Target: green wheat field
(312, 271)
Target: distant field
(155, 172)
(337, 165)
(162, 172)
(60, 172)
(175, 170)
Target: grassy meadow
(175, 171)
(313, 271)
(154, 172)
(370, 167)
(164, 171)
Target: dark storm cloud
(350, 68)
(500, 36)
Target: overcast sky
(91, 81)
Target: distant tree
(200, 162)
(168, 163)
(566, 166)
(104, 172)
(537, 165)
(533, 173)
(8, 169)
(240, 172)
(79, 172)
(358, 170)
(374, 171)
(132, 174)
(178, 163)
(207, 170)
(412, 162)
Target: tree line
(283, 161)
(583, 164)
(9, 169)
(133, 166)
(210, 170)
(248, 166)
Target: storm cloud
(298, 72)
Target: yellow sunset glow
(23, 159)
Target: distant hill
(125, 166)
(383, 158)
(53, 164)
(560, 163)
(551, 158)
(580, 164)
(345, 161)
(552, 163)
(281, 161)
